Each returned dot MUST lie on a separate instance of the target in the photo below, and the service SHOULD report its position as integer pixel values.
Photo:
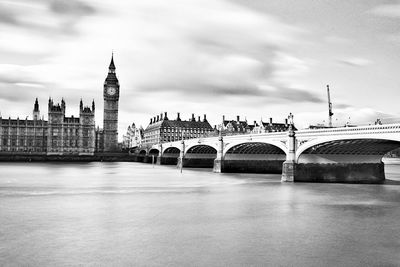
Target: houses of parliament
(62, 135)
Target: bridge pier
(289, 166)
(288, 171)
(340, 172)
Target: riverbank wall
(31, 157)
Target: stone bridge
(348, 154)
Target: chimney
(205, 118)
(193, 119)
(151, 120)
(198, 118)
(178, 118)
(154, 119)
(165, 116)
(255, 123)
(270, 120)
(237, 118)
(161, 117)
(286, 122)
(223, 118)
(158, 117)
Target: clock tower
(111, 97)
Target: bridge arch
(254, 157)
(143, 152)
(256, 146)
(200, 149)
(171, 150)
(337, 149)
(170, 155)
(200, 156)
(154, 151)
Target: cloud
(208, 56)
(355, 61)
(337, 40)
(70, 7)
(43, 16)
(7, 17)
(342, 106)
(388, 10)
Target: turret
(36, 111)
(63, 105)
(93, 106)
(86, 109)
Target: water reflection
(134, 214)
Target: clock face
(111, 90)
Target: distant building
(99, 140)
(60, 135)
(133, 137)
(232, 127)
(161, 129)
(270, 127)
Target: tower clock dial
(111, 90)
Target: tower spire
(111, 68)
(36, 105)
(36, 112)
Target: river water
(134, 214)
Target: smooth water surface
(134, 214)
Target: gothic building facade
(60, 135)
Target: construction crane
(330, 106)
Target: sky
(253, 58)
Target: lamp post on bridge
(289, 166)
(182, 152)
(218, 162)
(159, 157)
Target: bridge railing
(369, 129)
